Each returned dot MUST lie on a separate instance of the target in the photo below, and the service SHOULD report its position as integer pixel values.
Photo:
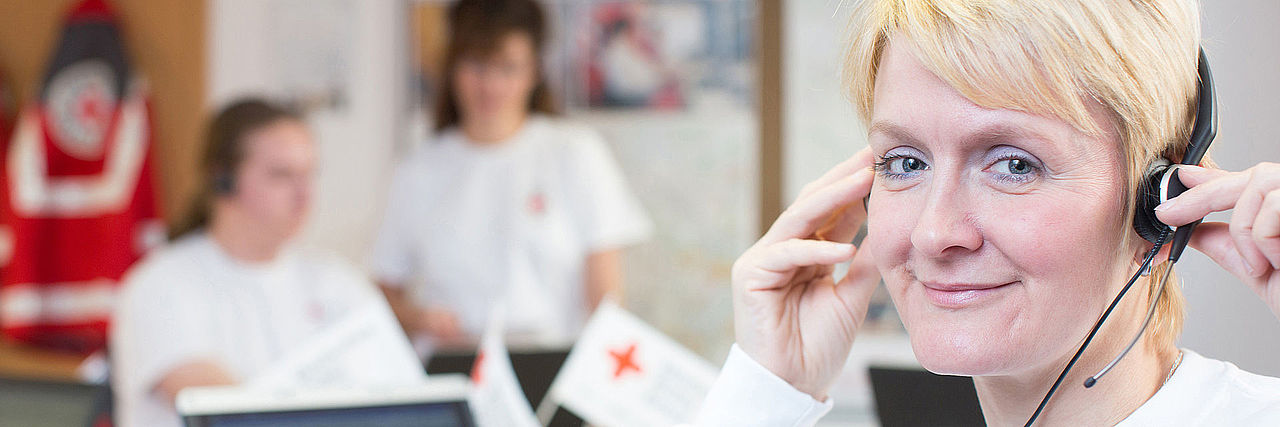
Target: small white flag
(623, 372)
(496, 398)
(363, 348)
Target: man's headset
(222, 183)
(1161, 183)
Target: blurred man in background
(230, 296)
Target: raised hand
(1248, 246)
(790, 315)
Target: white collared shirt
(1201, 392)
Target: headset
(1160, 183)
(223, 183)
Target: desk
(22, 361)
(42, 387)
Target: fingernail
(1168, 204)
(1249, 269)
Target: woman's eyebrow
(1008, 134)
(994, 132)
(1002, 132)
(894, 131)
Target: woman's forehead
(286, 139)
(497, 46)
(912, 103)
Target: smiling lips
(960, 295)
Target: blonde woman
(1007, 140)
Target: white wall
(1225, 319)
(821, 128)
(355, 143)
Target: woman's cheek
(888, 235)
(1055, 234)
(889, 239)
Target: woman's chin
(959, 354)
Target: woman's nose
(945, 224)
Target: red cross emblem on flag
(624, 361)
(92, 106)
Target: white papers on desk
(364, 348)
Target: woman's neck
(1010, 400)
(493, 130)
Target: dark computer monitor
(535, 369)
(915, 397)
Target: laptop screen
(440, 414)
(440, 402)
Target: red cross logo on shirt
(624, 360)
(537, 204)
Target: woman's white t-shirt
(192, 302)
(1201, 392)
(468, 225)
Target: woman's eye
(894, 165)
(1014, 169)
(911, 164)
(1016, 166)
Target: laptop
(916, 397)
(442, 402)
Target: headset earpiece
(223, 184)
(1149, 191)
(1161, 180)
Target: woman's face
(274, 182)
(997, 232)
(497, 86)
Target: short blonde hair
(1136, 58)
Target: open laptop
(916, 397)
(442, 402)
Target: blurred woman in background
(230, 296)
(509, 202)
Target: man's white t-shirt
(192, 302)
(468, 225)
(1201, 392)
